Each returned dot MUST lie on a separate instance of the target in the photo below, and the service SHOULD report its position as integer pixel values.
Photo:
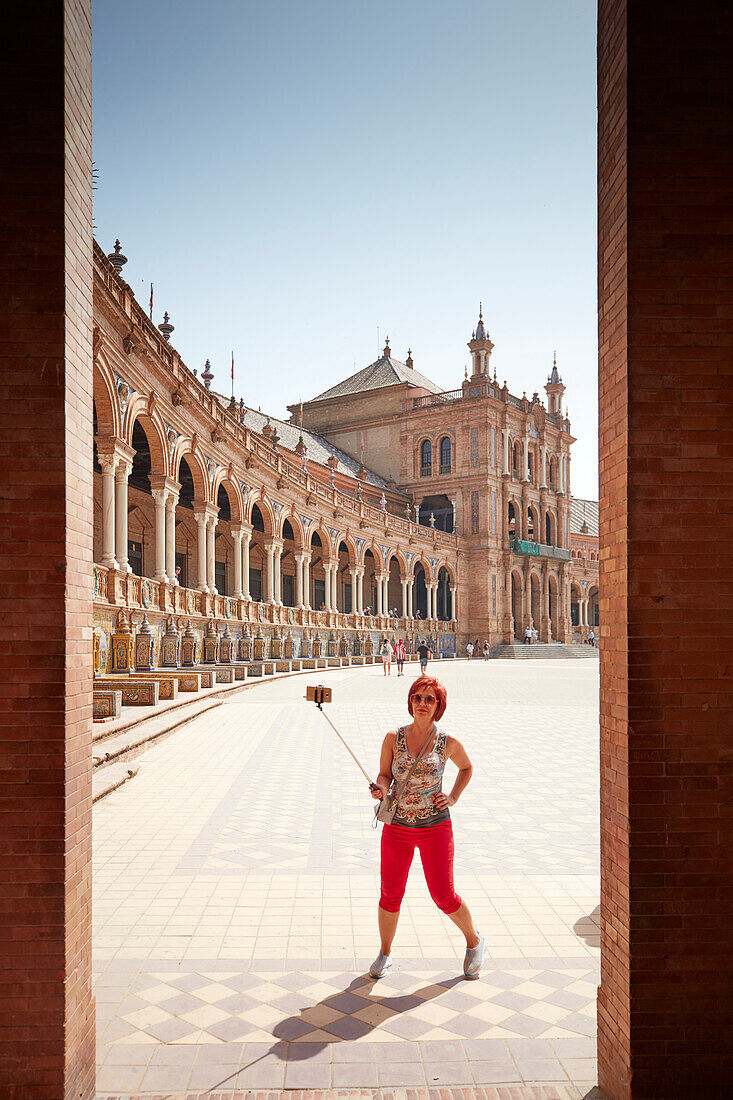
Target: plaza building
(384, 507)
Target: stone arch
(105, 400)
(154, 431)
(554, 611)
(233, 491)
(575, 598)
(534, 534)
(263, 506)
(535, 597)
(445, 598)
(515, 458)
(320, 529)
(445, 454)
(421, 559)
(594, 619)
(552, 473)
(296, 524)
(425, 456)
(198, 471)
(550, 531)
(517, 602)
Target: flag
(151, 301)
(232, 374)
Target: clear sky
(292, 175)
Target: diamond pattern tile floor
(233, 929)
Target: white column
(327, 585)
(380, 593)
(434, 599)
(354, 587)
(505, 448)
(246, 536)
(121, 475)
(335, 588)
(410, 596)
(237, 538)
(306, 581)
(269, 589)
(278, 577)
(453, 602)
(109, 465)
(211, 555)
(385, 597)
(403, 582)
(525, 451)
(170, 537)
(360, 591)
(159, 497)
(543, 469)
(298, 580)
(202, 523)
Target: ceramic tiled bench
(107, 704)
(135, 692)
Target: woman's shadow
(356, 997)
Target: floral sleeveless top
(415, 807)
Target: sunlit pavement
(236, 885)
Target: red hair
(441, 695)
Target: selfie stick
(319, 703)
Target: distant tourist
(487, 650)
(527, 636)
(422, 820)
(400, 654)
(535, 635)
(591, 638)
(423, 653)
(387, 654)
(469, 650)
(475, 647)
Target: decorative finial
(116, 258)
(386, 353)
(465, 372)
(207, 374)
(481, 311)
(408, 361)
(166, 327)
(383, 502)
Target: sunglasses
(428, 700)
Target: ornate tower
(554, 390)
(480, 347)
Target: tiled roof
(584, 511)
(382, 372)
(318, 449)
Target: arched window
(426, 459)
(515, 460)
(553, 471)
(445, 455)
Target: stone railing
(527, 548)
(116, 590)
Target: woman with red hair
(413, 759)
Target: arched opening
(517, 605)
(553, 473)
(394, 588)
(441, 508)
(512, 522)
(317, 573)
(346, 595)
(445, 600)
(550, 528)
(532, 524)
(554, 606)
(370, 585)
(445, 455)
(287, 565)
(140, 529)
(257, 554)
(223, 545)
(593, 608)
(516, 462)
(420, 593)
(426, 458)
(535, 583)
(575, 605)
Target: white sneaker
(474, 958)
(380, 966)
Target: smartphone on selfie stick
(318, 694)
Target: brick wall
(666, 467)
(46, 1006)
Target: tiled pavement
(236, 886)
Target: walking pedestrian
(469, 650)
(487, 650)
(527, 635)
(423, 653)
(387, 652)
(400, 653)
(535, 635)
(413, 760)
(475, 647)
(592, 638)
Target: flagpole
(232, 375)
(151, 301)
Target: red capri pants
(436, 852)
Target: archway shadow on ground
(385, 1008)
(589, 928)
